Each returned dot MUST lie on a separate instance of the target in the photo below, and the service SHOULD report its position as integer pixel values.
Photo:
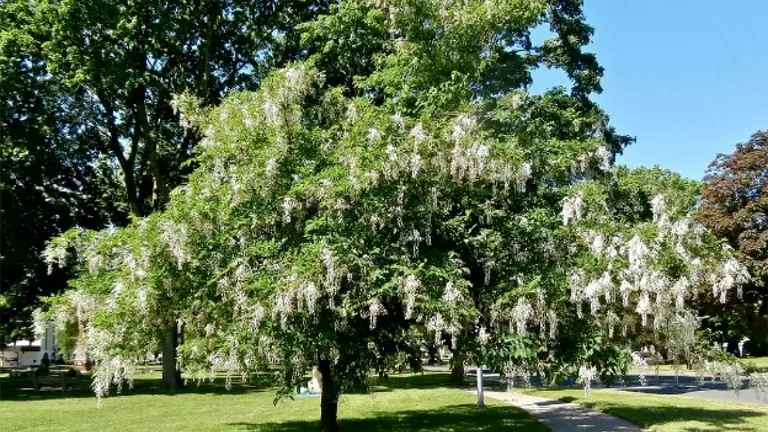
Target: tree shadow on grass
(648, 417)
(464, 418)
(20, 388)
(429, 380)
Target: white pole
(480, 396)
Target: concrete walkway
(562, 416)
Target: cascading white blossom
(462, 127)
(513, 373)
(573, 207)
(374, 135)
(83, 304)
(730, 373)
(175, 237)
(112, 371)
(288, 205)
(419, 134)
(452, 295)
(636, 254)
(731, 274)
(436, 324)
(640, 363)
(636, 273)
(280, 106)
(398, 121)
(759, 382)
(604, 157)
(409, 287)
(658, 205)
(55, 254)
(271, 111)
(39, 323)
(521, 314)
(375, 310)
(585, 377)
(483, 336)
(552, 321)
(308, 294)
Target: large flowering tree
(334, 228)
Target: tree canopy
(89, 132)
(339, 222)
(51, 179)
(735, 206)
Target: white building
(29, 353)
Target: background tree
(735, 206)
(110, 69)
(327, 226)
(51, 179)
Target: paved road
(665, 384)
(689, 386)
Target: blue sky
(688, 78)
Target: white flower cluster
(521, 314)
(452, 294)
(112, 371)
(281, 106)
(39, 323)
(513, 373)
(435, 324)
(730, 373)
(635, 270)
(469, 160)
(759, 382)
(375, 310)
(83, 304)
(295, 297)
(175, 237)
(731, 274)
(573, 207)
(94, 260)
(592, 291)
(226, 361)
(469, 163)
(55, 253)
(658, 205)
(288, 205)
(138, 267)
(483, 336)
(409, 287)
(639, 362)
(334, 274)
(602, 155)
(585, 378)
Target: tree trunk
(329, 400)
(130, 190)
(434, 354)
(171, 375)
(457, 367)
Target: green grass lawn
(758, 361)
(669, 413)
(402, 403)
